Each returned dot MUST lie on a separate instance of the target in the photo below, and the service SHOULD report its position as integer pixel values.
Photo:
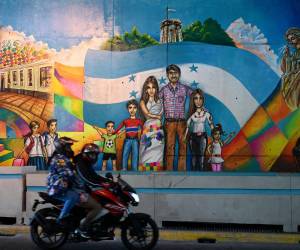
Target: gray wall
(249, 198)
(12, 191)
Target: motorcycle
(138, 230)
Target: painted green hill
(129, 41)
(208, 32)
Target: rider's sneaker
(106, 234)
(82, 233)
(63, 222)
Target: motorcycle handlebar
(109, 176)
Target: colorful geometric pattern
(67, 86)
(265, 137)
(10, 123)
(153, 166)
(71, 80)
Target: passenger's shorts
(107, 156)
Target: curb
(13, 229)
(185, 235)
(211, 237)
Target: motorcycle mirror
(109, 176)
(119, 176)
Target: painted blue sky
(63, 23)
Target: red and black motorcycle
(138, 230)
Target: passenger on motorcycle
(61, 176)
(84, 167)
(65, 185)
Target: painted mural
(162, 85)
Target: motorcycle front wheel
(44, 239)
(145, 239)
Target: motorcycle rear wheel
(45, 240)
(146, 240)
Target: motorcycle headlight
(135, 198)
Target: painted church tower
(170, 31)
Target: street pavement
(22, 241)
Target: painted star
(132, 78)
(162, 80)
(133, 93)
(194, 84)
(193, 68)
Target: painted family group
(150, 142)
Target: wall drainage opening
(223, 227)
(8, 220)
(206, 240)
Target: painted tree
(129, 41)
(210, 32)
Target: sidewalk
(186, 235)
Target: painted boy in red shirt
(131, 145)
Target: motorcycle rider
(73, 190)
(136, 228)
(84, 167)
(61, 176)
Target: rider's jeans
(71, 198)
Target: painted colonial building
(28, 78)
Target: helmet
(90, 152)
(63, 146)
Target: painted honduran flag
(235, 82)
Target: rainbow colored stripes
(67, 87)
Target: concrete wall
(12, 191)
(226, 198)
(248, 198)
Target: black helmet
(63, 146)
(90, 152)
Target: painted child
(215, 148)
(50, 137)
(34, 147)
(109, 147)
(131, 145)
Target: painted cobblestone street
(27, 107)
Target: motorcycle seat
(50, 199)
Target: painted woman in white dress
(152, 139)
